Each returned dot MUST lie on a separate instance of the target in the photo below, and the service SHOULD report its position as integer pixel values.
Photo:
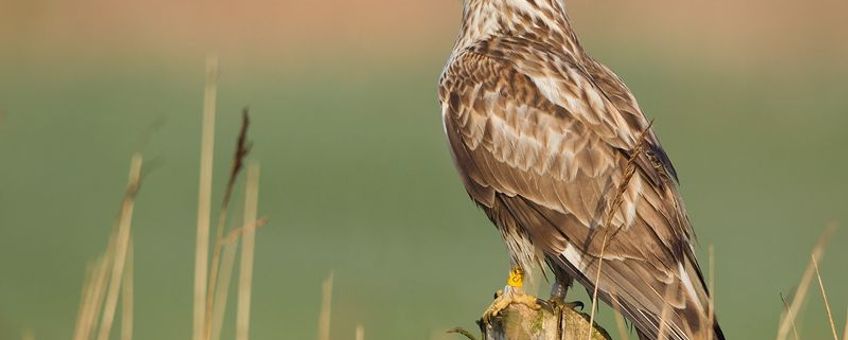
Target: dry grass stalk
(127, 296)
(360, 332)
(326, 304)
(251, 202)
(96, 292)
(826, 302)
(595, 290)
(87, 291)
(121, 247)
(806, 279)
(845, 329)
(241, 152)
(204, 198)
(223, 288)
(28, 335)
(629, 171)
(783, 315)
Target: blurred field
(749, 100)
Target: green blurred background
(749, 98)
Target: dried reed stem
(251, 202)
(326, 303)
(204, 198)
(122, 240)
(360, 332)
(845, 329)
(782, 315)
(826, 302)
(800, 295)
(127, 296)
(241, 152)
(223, 288)
(86, 294)
(595, 289)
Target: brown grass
(107, 276)
(826, 302)
(326, 304)
(791, 313)
(127, 294)
(251, 198)
(204, 199)
(360, 332)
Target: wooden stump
(519, 322)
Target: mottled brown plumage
(554, 148)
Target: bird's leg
(559, 289)
(512, 293)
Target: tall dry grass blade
(783, 315)
(127, 296)
(85, 296)
(28, 335)
(360, 332)
(595, 289)
(98, 292)
(826, 302)
(801, 293)
(204, 198)
(326, 304)
(230, 245)
(618, 199)
(122, 240)
(241, 152)
(251, 203)
(222, 290)
(845, 329)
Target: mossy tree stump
(520, 322)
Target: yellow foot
(513, 293)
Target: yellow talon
(516, 277)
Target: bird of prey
(555, 150)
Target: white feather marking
(548, 87)
(687, 283)
(574, 257)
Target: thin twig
(826, 302)
(463, 332)
(204, 199)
